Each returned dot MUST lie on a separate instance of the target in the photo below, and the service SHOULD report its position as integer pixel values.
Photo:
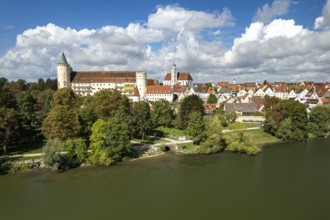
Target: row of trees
(23, 107)
(106, 122)
(206, 131)
(289, 120)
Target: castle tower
(141, 83)
(63, 73)
(174, 75)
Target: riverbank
(23, 162)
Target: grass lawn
(238, 125)
(262, 137)
(187, 147)
(26, 147)
(171, 133)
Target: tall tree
(43, 105)
(6, 96)
(26, 106)
(188, 105)
(61, 123)
(213, 135)
(141, 119)
(212, 99)
(110, 139)
(9, 125)
(64, 97)
(17, 87)
(86, 119)
(297, 113)
(106, 103)
(319, 121)
(196, 127)
(162, 114)
(273, 114)
(41, 84)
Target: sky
(214, 40)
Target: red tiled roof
(136, 92)
(232, 87)
(104, 77)
(222, 83)
(179, 89)
(325, 101)
(152, 82)
(181, 76)
(159, 89)
(320, 88)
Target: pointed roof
(63, 59)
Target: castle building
(174, 77)
(133, 84)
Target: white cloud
(324, 20)
(279, 50)
(268, 12)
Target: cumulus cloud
(324, 20)
(278, 50)
(268, 12)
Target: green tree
(141, 119)
(212, 99)
(17, 87)
(26, 107)
(76, 149)
(241, 142)
(51, 84)
(43, 104)
(41, 85)
(52, 154)
(162, 114)
(110, 140)
(6, 96)
(284, 132)
(9, 126)
(273, 114)
(319, 121)
(61, 123)
(297, 113)
(86, 119)
(106, 103)
(213, 141)
(188, 105)
(196, 127)
(64, 97)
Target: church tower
(174, 75)
(63, 73)
(141, 83)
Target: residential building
(241, 108)
(157, 92)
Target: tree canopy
(188, 105)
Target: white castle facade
(130, 83)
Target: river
(286, 181)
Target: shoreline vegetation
(64, 131)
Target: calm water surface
(285, 181)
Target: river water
(286, 181)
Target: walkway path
(245, 129)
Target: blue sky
(209, 38)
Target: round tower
(63, 73)
(174, 75)
(141, 83)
